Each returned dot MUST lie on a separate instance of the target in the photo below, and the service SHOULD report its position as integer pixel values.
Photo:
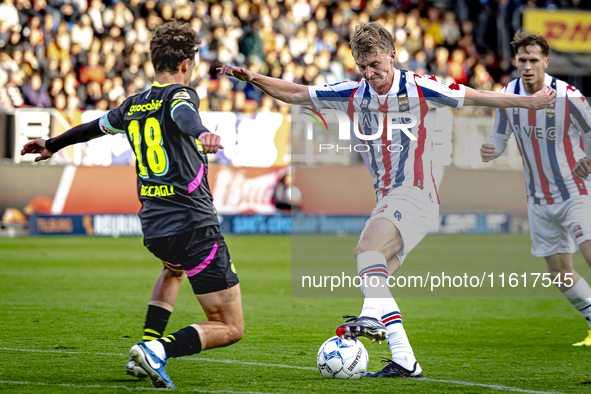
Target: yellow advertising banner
(565, 31)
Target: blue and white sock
(373, 271)
(398, 342)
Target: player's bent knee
(235, 333)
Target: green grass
(83, 300)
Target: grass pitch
(70, 309)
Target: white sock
(157, 348)
(399, 344)
(580, 296)
(373, 271)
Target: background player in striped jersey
(550, 142)
(407, 202)
(178, 219)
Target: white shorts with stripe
(560, 227)
(412, 210)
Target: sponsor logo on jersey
(538, 132)
(398, 215)
(105, 130)
(151, 106)
(157, 191)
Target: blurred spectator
(35, 93)
(92, 53)
(457, 66)
(9, 14)
(450, 31)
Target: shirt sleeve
(580, 110)
(112, 121)
(501, 132)
(439, 93)
(183, 112)
(335, 96)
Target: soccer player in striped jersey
(178, 218)
(400, 163)
(550, 141)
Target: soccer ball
(340, 358)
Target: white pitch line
(489, 386)
(98, 386)
(213, 360)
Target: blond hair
(369, 37)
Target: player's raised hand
(236, 72)
(545, 97)
(487, 152)
(210, 142)
(37, 146)
(582, 168)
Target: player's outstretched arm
(288, 92)
(540, 100)
(46, 148)
(582, 168)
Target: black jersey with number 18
(171, 165)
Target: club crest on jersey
(403, 102)
(550, 111)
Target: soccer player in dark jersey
(178, 218)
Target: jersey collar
(157, 84)
(393, 89)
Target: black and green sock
(182, 343)
(156, 321)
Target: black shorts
(202, 254)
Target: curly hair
(173, 43)
(369, 37)
(523, 40)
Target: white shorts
(413, 211)
(560, 227)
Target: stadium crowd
(78, 54)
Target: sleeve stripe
(104, 124)
(439, 98)
(502, 123)
(577, 114)
(178, 105)
(333, 94)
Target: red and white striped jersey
(399, 161)
(550, 141)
